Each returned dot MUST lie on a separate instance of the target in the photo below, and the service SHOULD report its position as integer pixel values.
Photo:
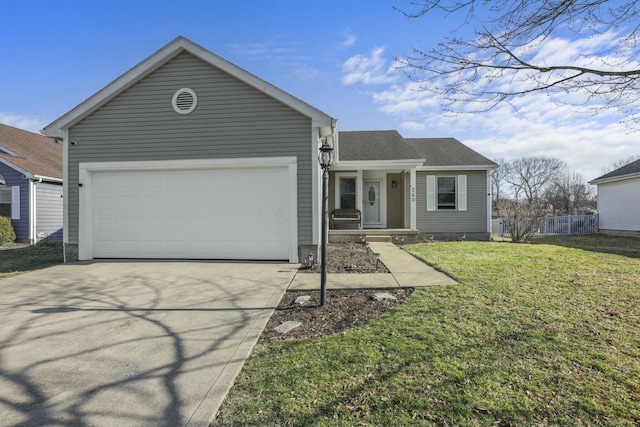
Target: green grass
(534, 335)
(20, 260)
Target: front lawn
(18, 260)
(540, 334)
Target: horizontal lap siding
(619, 205)
(473, 220)
(231, 120)
(49, 210)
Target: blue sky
(335, 55)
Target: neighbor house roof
(374, 145)
(29, 153)
(161, 57)
(628, 170)
(448, 152)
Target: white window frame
(460, 193)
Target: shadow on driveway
(134, 343)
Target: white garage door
(222, 213)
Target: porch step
(378, 238)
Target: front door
(372, 203)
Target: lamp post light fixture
(325, 159)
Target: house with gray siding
(619, 200)
(436, 187)
(31, 184)
(189, 156)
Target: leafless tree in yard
(513, 51)
(522, 218)
(497, 184)
(570, 194)
(530, 176)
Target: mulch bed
(348, 258)
(345, 308)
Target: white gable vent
(184, 101)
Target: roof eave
(24, 172)
(161, 57)
(457, 167)
(615, 178)
(378, 164)
(47, 178)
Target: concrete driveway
(129, 343)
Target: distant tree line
(544, 184)
(526, 189)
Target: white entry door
(372, 203)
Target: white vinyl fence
(556, 225)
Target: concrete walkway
(406, 271)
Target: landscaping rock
(302, 299)
(383, 296)
(285, 327)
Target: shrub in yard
(7, 235)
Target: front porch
(393, 235)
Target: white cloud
(22, 122)
(537, 124)
(368, 69)
(348, 41)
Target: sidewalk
(406, 271)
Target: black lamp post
(325, 158)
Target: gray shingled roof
(390, 145)
(375, 145)
(628, 169)
(447, 152)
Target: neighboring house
(437, 186)
(31, 184)
(188, 156)
(619, 200)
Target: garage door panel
(226, 213)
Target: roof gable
(161, 57)
(630, 169)
(30, 153)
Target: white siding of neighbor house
(619, 205)
(48, 211)
(231, 120)
(473, 220)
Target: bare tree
(522, 219)
(505, 58)
(497, 185)
(619, 163)
(570, 194)
(529, 177)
